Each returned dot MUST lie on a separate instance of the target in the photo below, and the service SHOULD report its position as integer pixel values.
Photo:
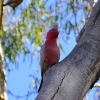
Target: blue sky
(20, 80)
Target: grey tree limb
(72, 78)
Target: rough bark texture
(3, 95)
(1, 13)
(71, 78)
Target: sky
(20, 81)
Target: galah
(13, 3)
(49, 53)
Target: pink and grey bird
(13, 3)
(49, 53)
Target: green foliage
(23, 29)
(1, 62)
(31, 22)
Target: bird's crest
(55, 26)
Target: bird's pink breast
(52, 53)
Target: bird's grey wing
(44, 65)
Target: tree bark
(1, 13)
(3, 95)
(71, 78)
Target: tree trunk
(1, 13)
(3, 95)
(71, 78)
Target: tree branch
(71, 78)
(97, 85)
